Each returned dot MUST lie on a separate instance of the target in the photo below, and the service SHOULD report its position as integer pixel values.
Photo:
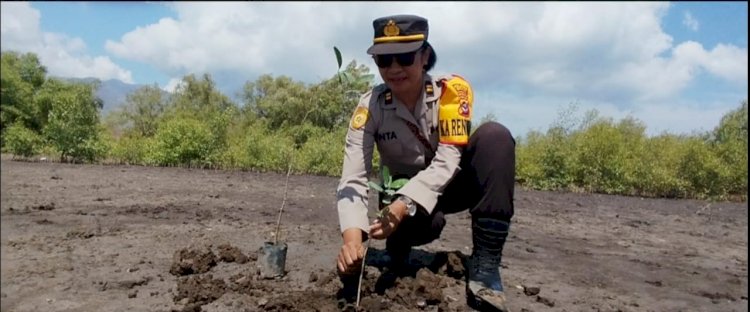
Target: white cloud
(728, 62)
(690, 22)
(525, 58)
(172, 85)
(62, 55)
(252, 39)
(682, 116)
(522, 114)
(596, 49)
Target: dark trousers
(484, 186)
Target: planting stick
(362, 272)
(283, 202)
(286, 187)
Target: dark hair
(432, 59)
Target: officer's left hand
(381, 229)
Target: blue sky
(110, 20)
(678, 67)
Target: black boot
(484, 289)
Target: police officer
(421, 126)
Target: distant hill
(113, 92)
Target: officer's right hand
(352, 252)
(350, 257)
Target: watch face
(412, 209)
(411, 206)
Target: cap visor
(394, 47)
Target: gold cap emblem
(391, 29)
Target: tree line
(280, 121)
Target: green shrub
(181, 141)
(93, 150)
(235, 154)
(320, 155)
(21, 141)
(73, 124)
(607, 155)
(302, 133)
(733, 156)
(254, 147)
(556, 161)
(269, 151)
(528, 159)
(130, 149)
(702, 169)
(657, 174)
(617, 158)
(730, 144)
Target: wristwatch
(411, 206)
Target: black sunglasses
(403, 59)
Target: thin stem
(286, 187)
(362, 272)
(283, 202)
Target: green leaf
(398, 184)
(390, 191)
(386, 171)
(386, 176)
(347, 76)
(338, 55)
(374, 186)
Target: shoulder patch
(379, 89)
(456, 103)
(361, 114)
(428, 88)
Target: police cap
(398, 34)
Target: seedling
(388, 190)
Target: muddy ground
(130, 238)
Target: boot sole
(478, 304)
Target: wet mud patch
(419, 286)
(299, 301)
(229, 253)
(196, 290)
(81, 234)
(153, 211)
(43, 207)
(31, 208)
(704, 269)
(192, 261)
